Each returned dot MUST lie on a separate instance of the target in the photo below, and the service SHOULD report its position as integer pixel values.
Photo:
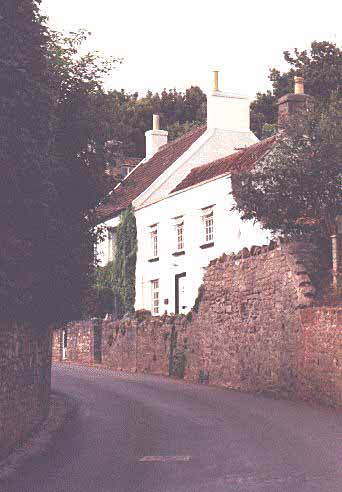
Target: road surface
(191, 438)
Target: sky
(176, 44)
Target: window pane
(180, 236)
(155, 296)
(209, 228)
(154, 243)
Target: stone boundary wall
(25, 382)
(321, 354)
(254, 327)
(80, 342)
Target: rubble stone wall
(321, 354)
(25, 381)
(254, 327)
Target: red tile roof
(240, 161)
(145, 174)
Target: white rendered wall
(228, 112)
(230, 234)
(154, 140)
(212, 145)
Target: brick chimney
(294, 106)
(227, 111)
(155, 138)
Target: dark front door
(180, 306)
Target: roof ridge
(145, 173)
(238, 161)
(180, 138)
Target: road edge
(60, 412)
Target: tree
(81, 116)
(297, 187)
(321, 68)
(129, 116)
(81, 131)
(52, 163)
(263, 111)
(176, 129)
(26, 288)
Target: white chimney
(227, 111)
(155, 138)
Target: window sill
(151, 260)
(179, 253)
(207, 245)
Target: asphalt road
(225, 441)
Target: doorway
(180, 293)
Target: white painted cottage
(181, 195)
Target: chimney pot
(215, 81)
(293, 107)
(156, 122)
(155, 138)
(299, 85)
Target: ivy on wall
(119, 275)
(125, 262)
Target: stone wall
(246, 333)
(321, 354)
(80, 342)
(25, 380)
(254, 327)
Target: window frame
(154, 242)
(208, 220)
(180, 236)
(155, 297)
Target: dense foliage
(98, 302)
(321, 68)
(52, 166)
(119, 275)
(124, 263)
(26, 225)
(130, 116)
(81, 131)
(297, 187)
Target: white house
(181, 195)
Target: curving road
(216, 440)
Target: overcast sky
(177, 43)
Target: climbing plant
(124, 263)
